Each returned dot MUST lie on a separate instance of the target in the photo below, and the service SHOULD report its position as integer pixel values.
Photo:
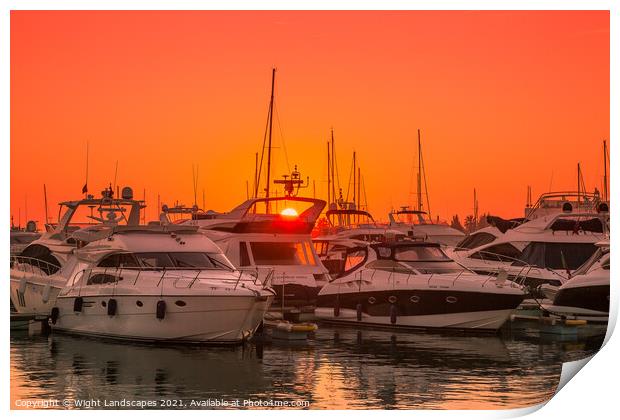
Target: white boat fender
(112, 305)
(47, 290)
(393, 313)
(359, 311)
(22, 285)
(77, 304)
(54, 315)
(160, 313)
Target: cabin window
(244, 257)
(182, 260)
(390, 265)
(278, 253)
(190, 260)
(557, 256)
(102, 279)
(119, 260)
(154, 260)
(476, 240)
(500, 252)
(420, 253)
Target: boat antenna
(45, 201)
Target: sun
(289, 212)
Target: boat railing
(516, 277)
(510, 268)
(33, 265)
(178, 277)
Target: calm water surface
(339, 368)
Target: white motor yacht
(585, 295)
(274, 234)
(416, 225)
(348, 228)
(416, 285)
(552, 246)
(157, 283)
(36, 279)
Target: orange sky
(503, 99)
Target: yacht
(21, 238)
(585, 295)
(272, 234)
(348, 228)
(157, 283)
(555, 202)
(36, 276)
(416, 285)
(547, 248)
(416, 224)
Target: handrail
(170, 276)
(44, 266)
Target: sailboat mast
(45, 199)
(605, 197)
(578, 183)
(359, 188)
(273, 81)
(354, 177)
(333, 165)
(329, 180)
(419, 208)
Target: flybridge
(246, 218)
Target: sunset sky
(504, 100)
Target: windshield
(167, 260)
(420, 253)
(600, 259)
(282, 253)
(556, 256)
(475, 240)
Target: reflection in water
(340, 368)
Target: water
(339, 368)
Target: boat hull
(188, 319)
(32, 296)
(483, 321)
(411, 308)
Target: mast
(256, 175)
(359, 187)
(329, 178)
(605, 192)
(419, 184)
(333, 166)
(354, 178)
(45, 201)
(273, 81)
(475, 210)
(578, 183)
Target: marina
(294, 274)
